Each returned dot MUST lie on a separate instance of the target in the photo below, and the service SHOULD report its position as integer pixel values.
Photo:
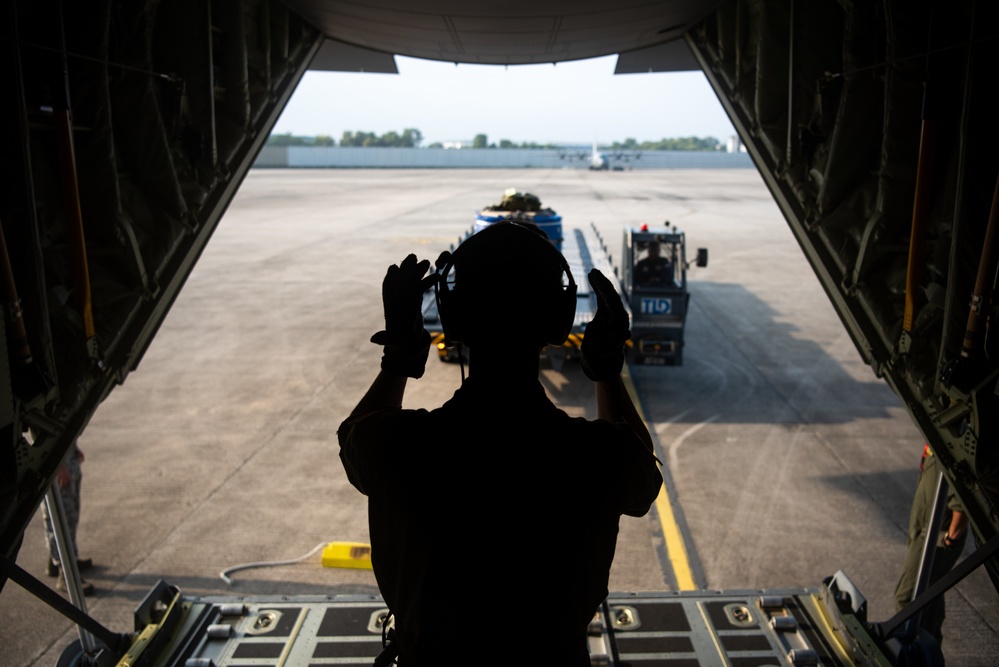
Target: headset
(529, 251)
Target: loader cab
(658, 264)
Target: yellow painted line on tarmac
(676, 548)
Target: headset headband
(452, 308)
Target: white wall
(516, 158)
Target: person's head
(654, 250)
(507, 286)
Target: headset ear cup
(449, 313)
(568, 314)
(563, 314)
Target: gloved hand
(604, 337)
(405, 340)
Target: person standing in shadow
(67, 481)
(948, 543)
(496, 509)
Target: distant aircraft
(571, 153)
(600, 161)
(626, 156)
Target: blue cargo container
(548, 221)
(522, 207)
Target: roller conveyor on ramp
(691, 628)
(584, 250)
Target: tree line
(410, 138)
(676, 144)
(413, 138)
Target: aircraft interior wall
(870, 125)
(129, 128)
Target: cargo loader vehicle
(651, 279)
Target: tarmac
(788, 460)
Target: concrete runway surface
(789, 459)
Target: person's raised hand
(406, 343)
(602, 350)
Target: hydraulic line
(74, 225)
(224, 574)
(983, 283)
(63, 113)
(920, 208)
(19, 335)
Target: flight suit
(944, 558)
(494, 514)
(71, 506)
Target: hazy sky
(575, 102)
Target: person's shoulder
(628, 470)
(380, 421)
(402, 416)
(600, 432)
(954, 503)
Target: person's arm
(406, 343)
(63, 478)
(615, 404)
(602, 358)
(958, 524)
(385, 392)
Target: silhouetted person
(496, 515)
(654, 269)
(948, 543)
(67, 481)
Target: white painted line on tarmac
(674, 460)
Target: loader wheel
(72, 656)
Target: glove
(602, 351)
(406, 342)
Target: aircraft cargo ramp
(704, 629)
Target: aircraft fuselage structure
(130, 126)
